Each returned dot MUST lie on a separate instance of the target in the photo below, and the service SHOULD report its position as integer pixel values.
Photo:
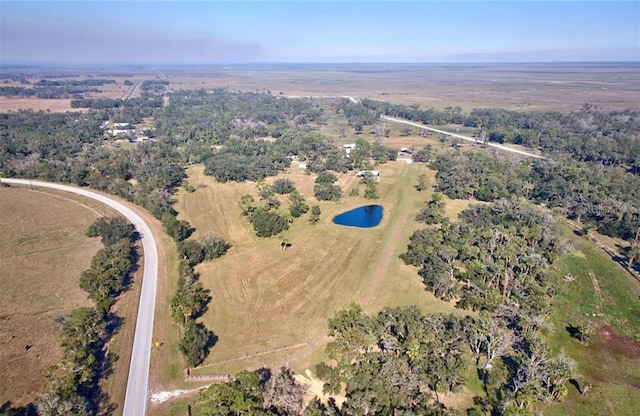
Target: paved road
(134, 89)
(138, 384)
(471, 139)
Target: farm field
(43, 250)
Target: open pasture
(607, 295)
(562, 87)
(270, 307)
(43, 250)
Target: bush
(371, 190)
(191, 251)
(326, 177)
(268, 223)
(214, 246)
(195, 343)
(327, 192)
(283, 186)
(111, 230)
(315, 214)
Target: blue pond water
(363, 217)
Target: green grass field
(606, 294)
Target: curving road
(135, 403)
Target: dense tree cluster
(109, 273)
(391, 362)
(357, 116)
(366, 154)
(145, 105)
(218, 115)
(433, 212)
(493, 256)
(413, 112)
(245, 160)
(478, 176)
(298, 205)
(152, 87)
(47, 92)
(267, 223)
(93, 82)
(325, 188)
(259, 393)
(283, 186)
(589, 135)
(607, 197)
(111, 230)
(56, 89)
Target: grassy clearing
(43, 250)
(267, 300)
(606, 294)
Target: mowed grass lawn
(43, 250)
(271, 307)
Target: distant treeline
(55, 89)
(47, 92)
(105, 103)
(94, 82)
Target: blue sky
(166, 32)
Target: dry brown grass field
(43, 250)
(272, 305)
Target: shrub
(283, 186)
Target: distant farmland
(522, 87)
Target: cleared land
(266, 300)
(43, 250)
(606, 294)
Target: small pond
(362, 217)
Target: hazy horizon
(169, 33)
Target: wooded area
(493, 261)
